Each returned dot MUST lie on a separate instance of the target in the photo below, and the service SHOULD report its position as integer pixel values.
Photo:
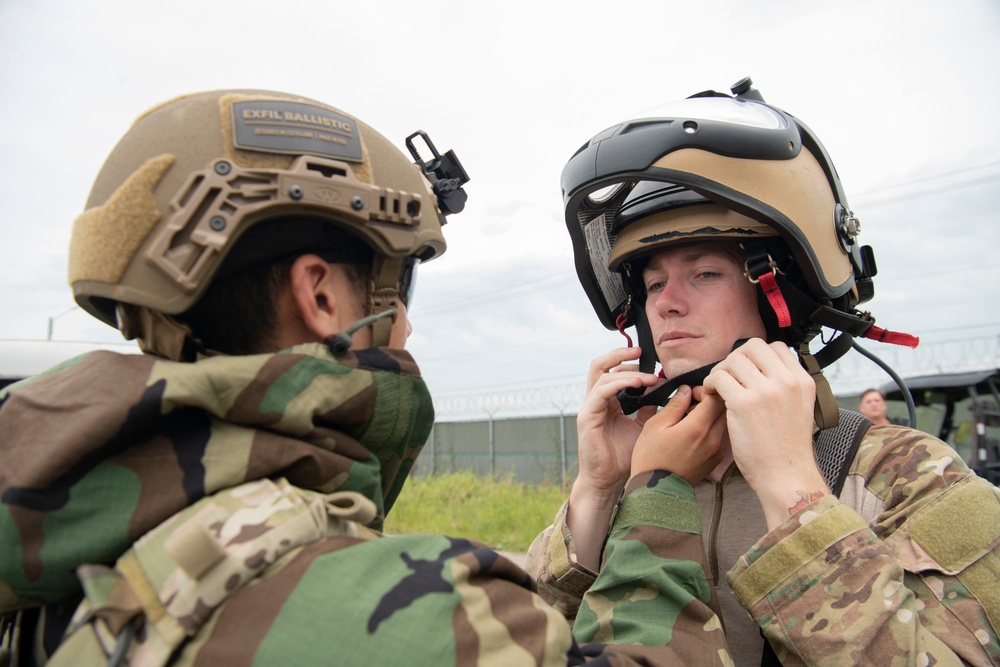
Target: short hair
(870, 390)
(237, 315)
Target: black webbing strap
(834, 350)
(798, 301)
(802, 303)
(633, 398)
(768, 658)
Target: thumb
(675, 409)
(643, 414)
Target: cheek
(401, 329)
(744, 315)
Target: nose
(671, 299)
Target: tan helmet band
(384, 295)
(687, 224)
(155, 332)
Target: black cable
(910, 407)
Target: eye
(655, 286)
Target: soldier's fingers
(674, 410)
(604, 363)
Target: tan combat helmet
(193, 175)
(715, 167)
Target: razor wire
(536, 401)
(853, 373)
(848, 376)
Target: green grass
(504, 514)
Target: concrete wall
(529, 449)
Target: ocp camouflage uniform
(903, 569)
(226, 512)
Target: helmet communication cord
(340, 343)
(907, 396)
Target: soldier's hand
(605, 439)
(683, 440)
(769, 401)
(606, 436)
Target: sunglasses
(408, 280)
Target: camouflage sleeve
(248, 587)
(552, 562)
(914, 584)
(653, 586)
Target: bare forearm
(588, 518)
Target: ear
(314, 306)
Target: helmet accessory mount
(445, 173)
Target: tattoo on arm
(805, 497)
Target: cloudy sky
(904, 93)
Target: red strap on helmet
(774, 297)
(621, 323)
(894, 337)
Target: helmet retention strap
(156, 332)
(760, 264)
(384, 296)
(826, 412)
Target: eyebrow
(694, 256)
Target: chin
(677, 367)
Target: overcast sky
(904, 94)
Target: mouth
(673, 338)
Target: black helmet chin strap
(633, 398)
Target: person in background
(873, 406)
(719, 228)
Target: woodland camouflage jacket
(226, 512)
(903, 569)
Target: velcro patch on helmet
(106, 238)
(277, 126)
